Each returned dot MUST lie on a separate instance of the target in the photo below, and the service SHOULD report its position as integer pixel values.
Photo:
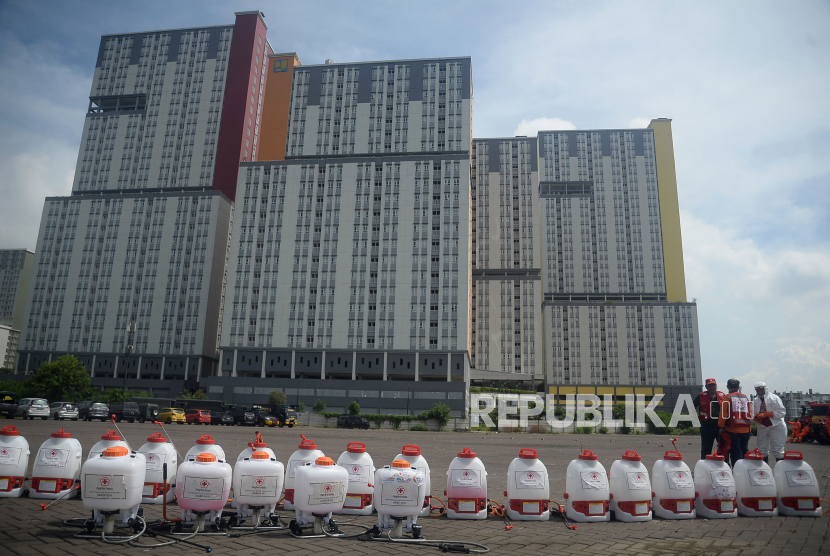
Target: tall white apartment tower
(143, 236)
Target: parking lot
(25, 529)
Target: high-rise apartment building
(15, 270)
(143, 237)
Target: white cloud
(532, 127)
(639, 123)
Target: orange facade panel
(274, 127)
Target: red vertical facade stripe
(236, 106)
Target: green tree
(319, 406)
(300, 407)
(65, 379)
(190, 395)
(354, 408)
(275, 397)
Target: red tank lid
(587, 455)
(356, 448)
(205, 439)
(306, 443)
(714, 457)
(631, 455)
(411, 450)
(528, 453)
(793, 455)
(466, 453)
(673, 456)
(111, 435)
(754, 455)
(157, 437)
(61, 434)
(10, 430)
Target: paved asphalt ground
(25, 529)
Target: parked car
(197, 416)
(221, 418)
(169, 415)
(63, 410)
(33, 407)
(8, 404)
(263, 418)
(124, 411)
(352, 422)
(285, 415)
(243, 417)
(89, 410)
(147, 412)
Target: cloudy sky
(746, 84)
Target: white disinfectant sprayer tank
(798, 492)
(466, 487)
(630, 489)
(361, 469)
(14, 460)
(109, 440)
(257, 483)
(202, 487)
(755, 486)
(399, 490)
(205, 445)
(319, 489)
(528, 490)
(673, 487)
(586, 489)
(112, 482)
(157, 451)
(306, 452)
(57, 467)
(412, 454)
(714, 488)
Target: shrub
(354, 408)
(319, 406)
(603, 430)
(300, 407)
(692, 431)
(419, 427)
(190, 395)
(665, 417)
(584, 430)
(275, 397)
(625, 430)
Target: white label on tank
(47, 486)
(805, 503)
(722, 479)
(203, 488)
(465, 478)
(684, 506)
(530, 480)
(596, 509)
(764, 504)
(105, 487)
(640, 509)
(466, 505)
(399, 495)
(638, 480)
(52, 457)
(353, 502)
(799, 478)
(420, 475)
(594, 479)
(148, 489)
(258, 485)
(530, 507)
(293, 465)
(357, 473)
(679, 480)
(331, 492)
(153, 461)
(9, 455)
(4, 484)
(726, 505)
(760, 477)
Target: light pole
(127, 349)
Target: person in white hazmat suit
(769, 413)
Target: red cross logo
(105, 481)
(680, 475)
(259, 481)
(150, 457)
(466, 474)
(400, 490)
(723, 475)
(800, 474)
(530, 475)
(4, 452)
(356, 469)
(204, 484)
(53, 453)
(762, 474)
(327, 489)
(639, 476)
(594, 476)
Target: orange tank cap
(116, 452)
(400, 463)
(260, 455)
(324, 461)
(206, 458)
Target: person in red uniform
(735, 418)
(708, 405)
